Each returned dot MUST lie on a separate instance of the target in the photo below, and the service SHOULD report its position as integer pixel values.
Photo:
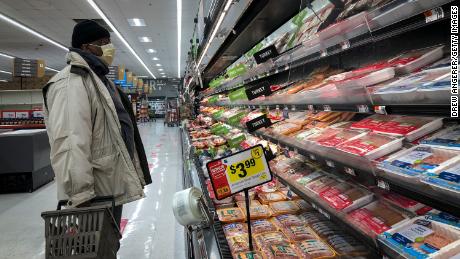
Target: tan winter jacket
(88, 155)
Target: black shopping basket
(82, 233)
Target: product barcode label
(434, 14)
(383, 185)
(363, 108)
(350, 171)
(330, 163)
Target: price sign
(257, 123)
(327, 108)
(258, 90)
(362, 108)
(434, 14)
(383, 185)
(266, 54)
(239, 171)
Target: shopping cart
(172, 117)
(83, 233)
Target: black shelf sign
(113, 73)
(266, 54)
(28, 68)
(259, 90)
(258, 123)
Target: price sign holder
(240, 172)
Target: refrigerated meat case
(397, 27)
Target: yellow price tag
(248, 167)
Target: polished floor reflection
(149, 228)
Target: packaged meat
(229, 215)
(280, 251)
(345, 244)
(299, 118)
(314, 249)
(410, 127)
(423, 238)
(343, 195)
(371, 145)
(375, 218)
(288, 193)
(444, 217)
(404, 203)
(326, 228)
(267, 197)
(306, 133)
(240, 196)
(446, 179)
(310, 177)
(325, 134)
(261, 226)
(303, 205)
(449, 137)
(270, 238)
(358, 82)
(258, 211)
(297, 233)
(238, 244)
(339, 138)
(311, 217)
(284, 207)
(235, 229)
(248, 255)
(285, 128)
(321, 184)
(286, 220)
(423, 57)
(418, 160)
(252, 203)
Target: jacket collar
(91, 61)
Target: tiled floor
(151, 230)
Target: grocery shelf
(384, 24)
(364, 171)
(222, 243)
(335, 216)
(26, 126)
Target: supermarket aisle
(151, 231)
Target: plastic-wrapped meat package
(306, 133)
(258, 211)
(240, 196)
(326, 228)
(311, 217)
(449, 137)
(420, 238)
(235, 229)
(286, 220)
(375, 218)
(252, 115)
(284, 207)
(326, 134)
(339, 138)
(310, 178)
(321, 184)
(404, 203)
(346, 245)
(229, 215)
(270, 238)
(343, 195)
(267, 197)
(280, 251)
(367, 143)
(299, 118)
(422, 159)
(238, 243)
(297, 233)
(314, 248)
(275, 115)
(252, 203)
(248, 255)
(261, 226)
(285, 128)
(303, 205)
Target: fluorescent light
(142, 76)
(163, 76)
(151, 51)
(136, 22)
(160, 69)
(155, 58)
(214, 32)
(4, 81)
(99, 11)
(6, 72)
(158, 65)
(143, 38)
(35, 33)
(179, 34)
(5, 55)
(52, 69)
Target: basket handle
(96, 199)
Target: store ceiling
(54, 19)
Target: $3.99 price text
(240, 168)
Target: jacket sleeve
(70, 126)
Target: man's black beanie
(88, 31)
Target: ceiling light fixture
(155, 58)
(5, 55)
(6, 72)
(160, 69)
(145, 39)
(4, 81)
(158, 65)
(104, 17)
(142, 76)
(216, 28)
(179, 34)
(151, 51)
(136, 22)
(52, 69)
(35, 33)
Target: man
(96, 149)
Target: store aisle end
(150, 230)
